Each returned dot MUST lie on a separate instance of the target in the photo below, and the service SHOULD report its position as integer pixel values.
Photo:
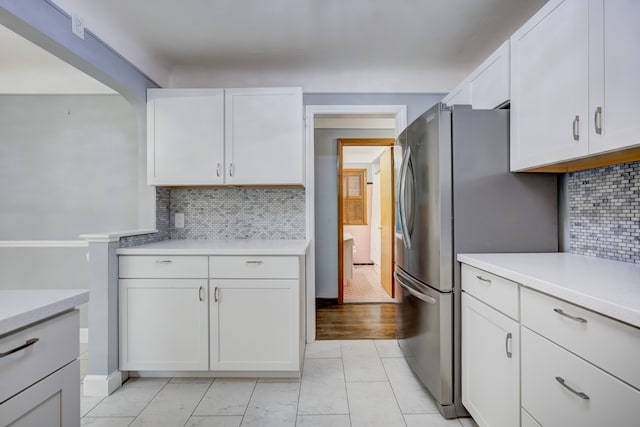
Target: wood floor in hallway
(356, 321)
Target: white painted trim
(43, 244)
(311, 111)
(114, 236)
(354, 123)
(84, 335)
(102, 385)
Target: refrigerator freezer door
(424, 326)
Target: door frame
(399, 112)
(354, 142)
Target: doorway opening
(365, 220)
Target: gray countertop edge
(64, 300)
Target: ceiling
(28, 69)
(334, 37)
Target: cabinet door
(549, 86)
(461, 95)
(163, 324)
(254, 325)
(490, 365)
(185, 136)
(264, 136)
(54, 401)
(489, 83)
(614, 64)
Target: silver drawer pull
(577, 393)
(562, 313)
(215, 294)
(506, 345)
(483, 279)
(597, 120)
(253, 262)
(163, 261)
(576, 128)
(28, 343)
(200, 290)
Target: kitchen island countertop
(605, 286)
(23, 307)
(219, 247)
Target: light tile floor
(344, 383)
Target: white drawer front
(611, 345)
(610, 402)
(160, 266)
(254, 267)
(496, 291)
(57, 345)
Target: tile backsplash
(604, 212)
(239, 213)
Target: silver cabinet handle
(506, 345)
(562, 313)
(200, 291)
(576, 129)
(483, 279)
(215, 294)
(577, 393)
(218, 170)
(597, 120)
(28, 343)
(163, 261)
(230, 169)
(253, 262)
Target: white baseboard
(84, 335)
(102, 385)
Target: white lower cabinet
(211, 313)
(41, 374)
(561, 389)
(528, 420)
(164, 324)
(490, 365)
(253, 324)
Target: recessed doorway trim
(399, 112)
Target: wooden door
(386, 221)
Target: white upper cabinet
(264, 136)
(487, 86)
(214, 137)
(574, 84)
(614, 69)
(549, 66)
(185, 136)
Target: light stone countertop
(219, 247)
(22, 307)
(608, 287)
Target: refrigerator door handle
(401, 198)
(415, 293)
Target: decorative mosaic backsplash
(163, 196)
(239, 213)
(604, 212)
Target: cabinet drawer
(607, 401)
(57, 345)
(498, 292)
(166, 267)
(254, 267)
(609, 344)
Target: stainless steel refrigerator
(455, 194)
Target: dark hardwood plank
(356, 321)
